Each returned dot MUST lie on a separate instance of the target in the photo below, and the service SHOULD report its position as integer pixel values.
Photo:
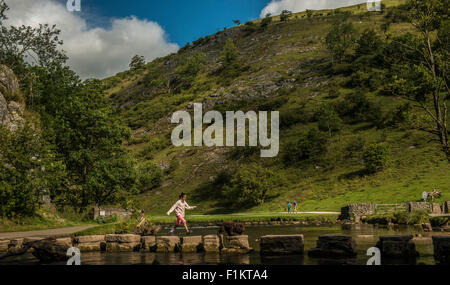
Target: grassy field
(293, 50)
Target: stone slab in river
(334, 246)
(16, 244)
(167, 243)
(64, 241)
(91, 246)
(211, 243)
(441, 246)
(192, 244)
(237, 242)
(282, 244)
(89, 239)
(121, 246)
(49, 251)
(27, 240)
(4, 245)
(397, 246)
(148, 243)
(123, 238)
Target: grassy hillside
(286, 67)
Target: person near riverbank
(179, 207)
(289, 207)
(295, 206)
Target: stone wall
(356, 210)
(419, 206)
(105, 212)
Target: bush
(150, 176)
(249, 28)
(266, 21)
(137, 62)
(411, 218)
(356, 107)
(188, 70)
(229, 58)
(285, 15)
(356, 145)
(28, 170)
(376, 157)
(329, 121)
(311, 145)
(249, 186)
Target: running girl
(179, 208)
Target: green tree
(150, 176)
(137, 62)
(88, 136)
(190, 67)
(420, 75)
(285, 15)
(340, 39)
(229, 59)
(328, 119)
(368, 43)
(28, 170)
(249, 186)
(376, 157)
(310, 146)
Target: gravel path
(45, 233)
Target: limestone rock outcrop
(11, 111)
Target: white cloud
(275, 7)
(94, 52)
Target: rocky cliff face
(11, 112)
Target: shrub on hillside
(285, 15)
(248, 186)
(356, 107)
(266, 21)
(229, 59)
(328, 119)
(150, 176)
(311, 146)
(376, 157)
(188, 70)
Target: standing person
(289, 207)
(179, 208)
(295, 206)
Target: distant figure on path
(289, 207)
(295, 206)
(179, 208)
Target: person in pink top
(179, 208)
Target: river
(366, 236)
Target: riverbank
(211, 220)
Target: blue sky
(183, 20)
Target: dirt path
(45, 233)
